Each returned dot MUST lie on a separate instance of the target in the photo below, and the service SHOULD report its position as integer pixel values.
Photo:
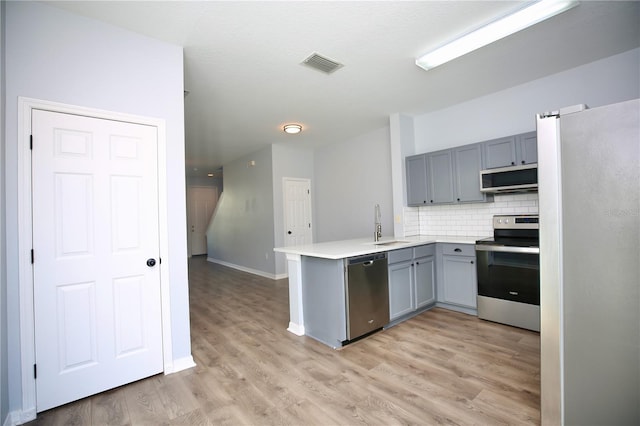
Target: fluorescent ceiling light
(494, 31)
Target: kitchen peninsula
(317, 280)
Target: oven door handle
(508, 249)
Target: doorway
(201, 202)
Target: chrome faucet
(377, 234)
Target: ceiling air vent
(321, 63)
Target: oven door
(509, 273)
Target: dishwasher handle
(367, 260)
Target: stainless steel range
(508, 266)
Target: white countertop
(357, 247)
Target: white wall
(401, 145)
(241, 233)
(56, 56)
(351, 178)
(290, 162)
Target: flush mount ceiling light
(292, 128)
(510, 24)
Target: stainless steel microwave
(510, 179)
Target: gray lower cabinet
(457, 279)
(411, 279)
(323, 298)
(424, 269)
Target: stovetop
(513, 231)
(509, 242)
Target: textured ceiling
(242, 62)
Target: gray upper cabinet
(440, 176)
(416, 168)
(500, 152)
(453, 175)
(467, 166)
(527, 148)
(511, 151)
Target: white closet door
(96, 255)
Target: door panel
(297, 214)
(95, 224)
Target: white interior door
(96, 253)
(297, 212)
(201, 201)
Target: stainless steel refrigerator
(589, 201)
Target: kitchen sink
(390, 243)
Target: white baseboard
(248, 270)
(296, 329)
(181, 364)
(19, 417)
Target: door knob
(151, 262)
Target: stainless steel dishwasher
(367, 288)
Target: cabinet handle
(522, 161)
(457, 250)
(432, 201)
(458, 199)
(472, 262)
(513, 163)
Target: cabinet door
(425, 281)
(416, 168)
(440, 176)
(460, 287)
(468, 163)
(527, 145)
(500, 152)
(401, 299)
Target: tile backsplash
(467, 220)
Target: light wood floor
(439, 367)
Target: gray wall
(241, 233)
(350, 179)
(4, 382)
(61, 57)
(514, 110)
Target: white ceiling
(243, 73)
